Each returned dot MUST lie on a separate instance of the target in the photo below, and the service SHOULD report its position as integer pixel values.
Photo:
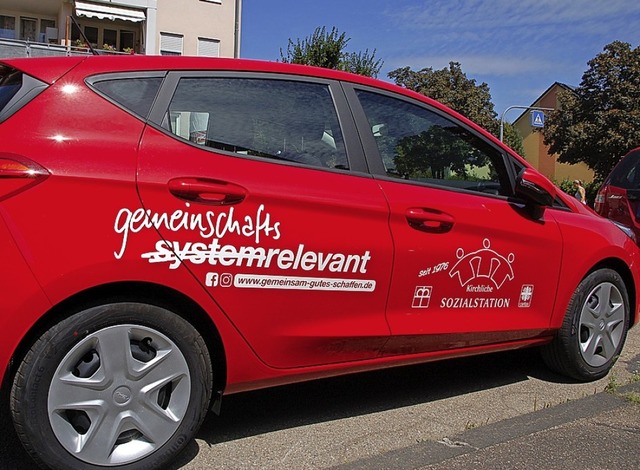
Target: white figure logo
(484, 264)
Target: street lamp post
(516, 107)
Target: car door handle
(429, 220)
(205, 191)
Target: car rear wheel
(594, 328)
(123, 385)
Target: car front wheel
(594, 328)
(122, 385)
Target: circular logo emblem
(122, 395)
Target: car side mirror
(536, 190)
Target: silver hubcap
(601, 324)
(119, 395)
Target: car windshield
(627, 174)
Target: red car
(179, 229)
(619, 196)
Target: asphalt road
(496, 411)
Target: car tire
(594, 328)
(123, 385)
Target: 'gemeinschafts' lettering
(259, 257)
(474, 302)
(208, 224)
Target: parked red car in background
(175, 229)
(619, 197)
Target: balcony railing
(17, 48)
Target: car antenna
(86, 41)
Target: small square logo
(421, 297)
(226, 280)
(526, 295)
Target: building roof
(555, 84)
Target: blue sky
(518, 47)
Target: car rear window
(10, 83)
(626, 174)
(16, 90)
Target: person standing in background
(580, 192)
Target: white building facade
(169, 27)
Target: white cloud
(480, 14)
(473, 65)
(505, 38)
(508, 27)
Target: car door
(472, 266)
(252, 186)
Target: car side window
(134, 94)
(420, 145)
(274, 119)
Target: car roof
(45, 67)
(51, 69)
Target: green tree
(600, 120)
(326, 49)
(362, 63)
(513, 138)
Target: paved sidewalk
(595, 432)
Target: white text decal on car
(212, 228)
(251, 256)
(208, 224)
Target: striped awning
(107, 12)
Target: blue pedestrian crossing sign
(537, 118)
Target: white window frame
(171, 44)
(208, 47)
